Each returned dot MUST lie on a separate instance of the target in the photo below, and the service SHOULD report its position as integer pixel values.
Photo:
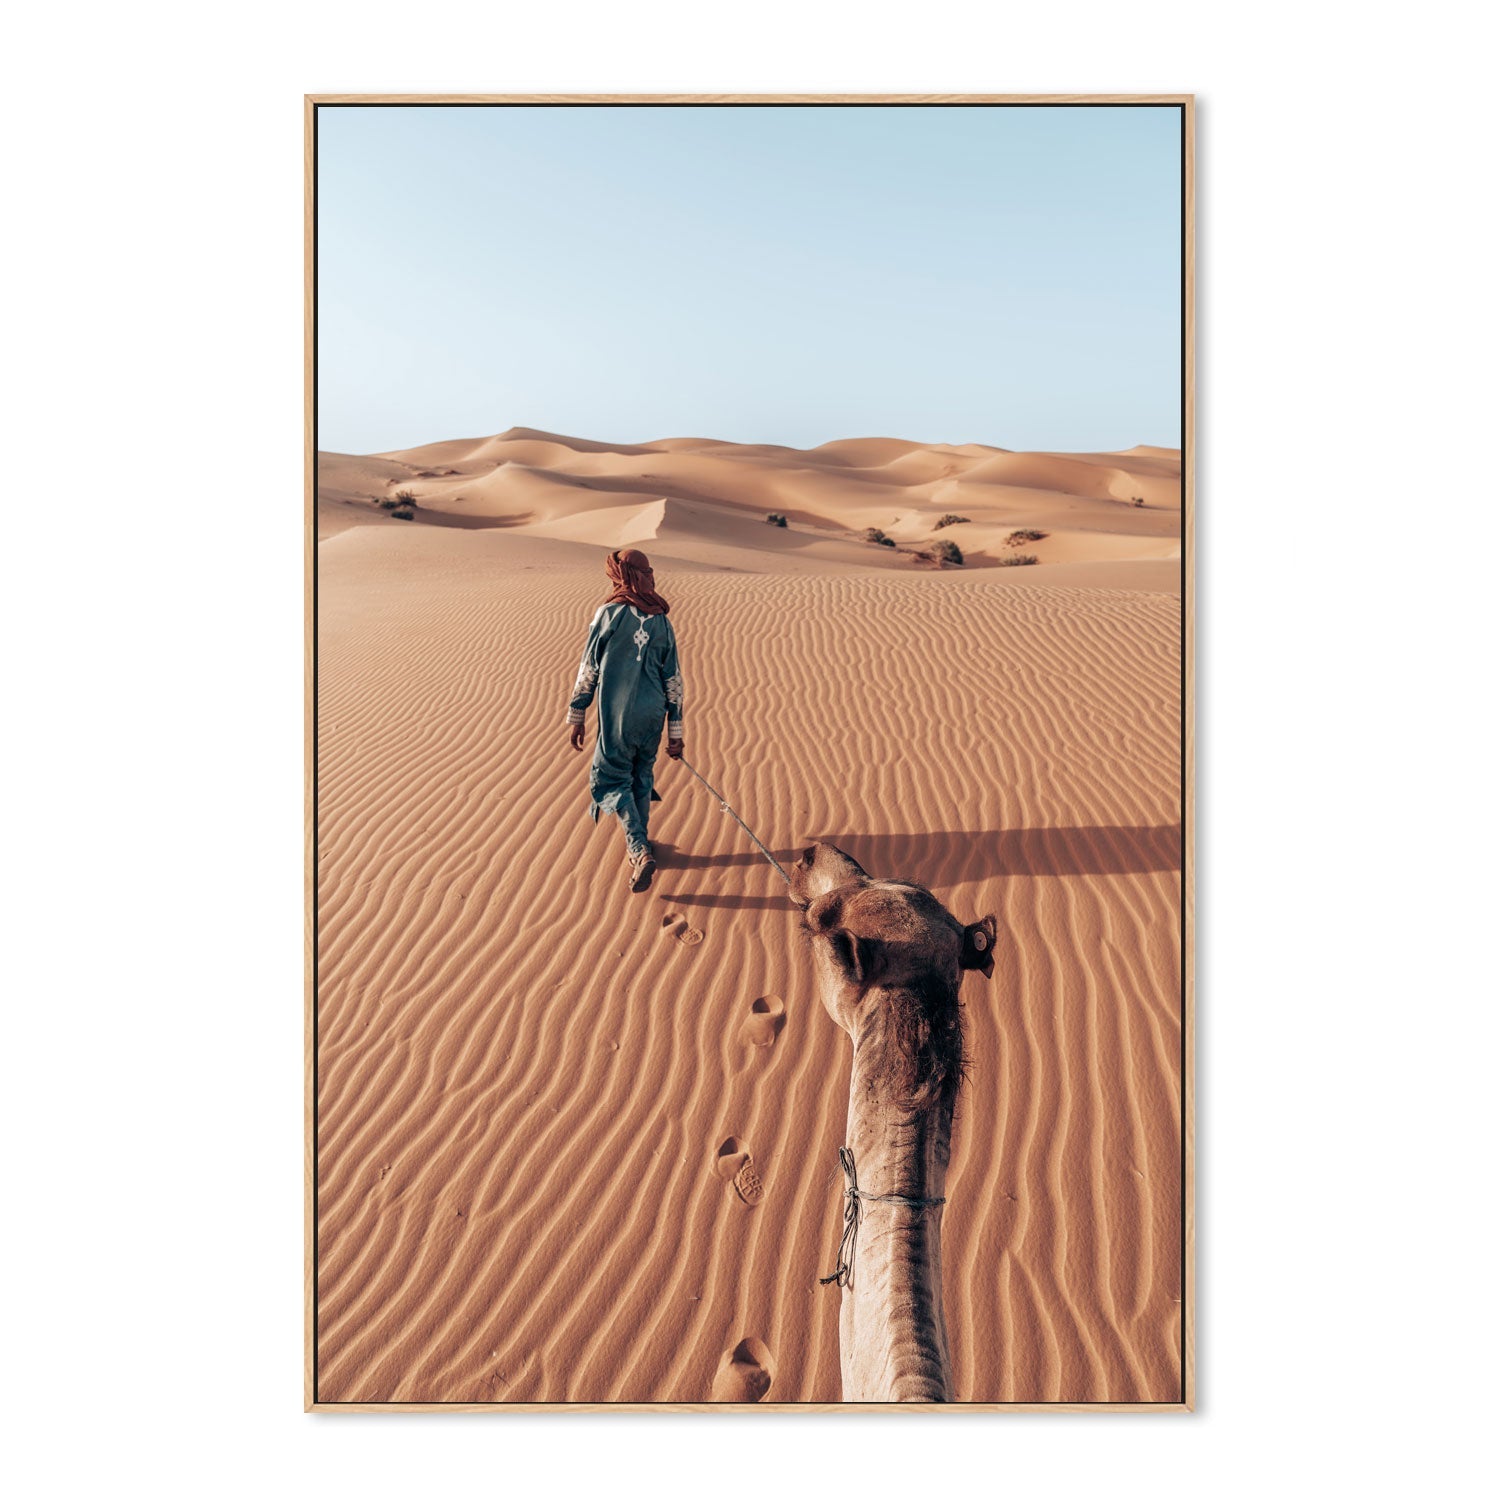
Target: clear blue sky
(769, 274)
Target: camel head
(889, 957)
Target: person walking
(630, 661)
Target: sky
(767, 274)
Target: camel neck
(893, 1337)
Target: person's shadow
(1014, 853)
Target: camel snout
(819, 869)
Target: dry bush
(876, 535)
(1017, 537)
(949, 520)
(1017, 560)
(946, 552)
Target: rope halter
(843, 1273)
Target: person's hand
(674, 749)
(575, 736)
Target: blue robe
(630, 661)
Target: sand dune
(716, 494)
(580, 1145)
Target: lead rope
(843, 1273)
(724, 805)
(854, 1195)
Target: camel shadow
(673, 862)
(1013, 853)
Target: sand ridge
(527, 1080)
(692, 498)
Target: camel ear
(862, 958)
(979, 947)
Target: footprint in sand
(734, 1165)
(744, 1373)
(677, 924)
(763, 1025)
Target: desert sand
(535, 1100)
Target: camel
(888, 958)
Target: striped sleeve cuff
(674, 729)
(575, 716)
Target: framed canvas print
(749, 555)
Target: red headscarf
(634, 582)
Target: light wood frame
(311, 104)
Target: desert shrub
(403, 513)
(1017, 537)
(776, 520)
(946, 552)
(876, 535)
(1016, 560)
(405, 497)
(949, 520)
(1138, 500)
(386, 503)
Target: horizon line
(524, 433)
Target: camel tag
(979, 943)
